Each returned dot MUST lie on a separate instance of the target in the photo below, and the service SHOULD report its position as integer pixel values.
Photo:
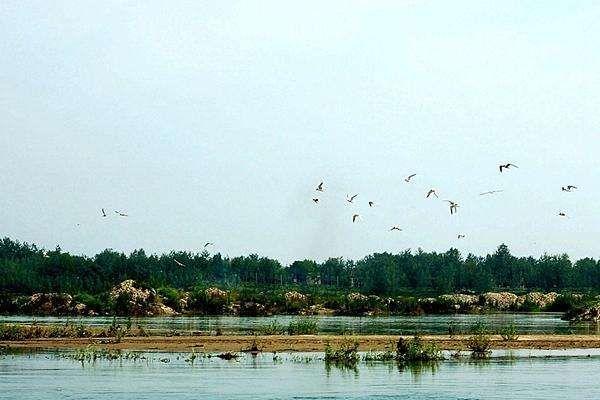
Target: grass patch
(303, 326)
(415, 349)
(509, 333)
(479, 342)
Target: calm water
(407, 325)
(44, 376)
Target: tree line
(26, 269)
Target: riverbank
(300, 343)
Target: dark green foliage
(303, 326)
(415, 349)
(479, 342)
(509, 333)
(26, 269)
(344, 355)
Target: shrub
(345, 355)
(303, 326)
(416, 349)
(272, 328)
(479, 342)
(171, 297)
(92, 302)
(509, 333)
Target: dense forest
(26, 269)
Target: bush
(509, 333)
(171, 297)
(416, 350)
(92, 302)
(345, 355)
(272, 328)
(479, 343)
(303, 326)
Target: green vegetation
(26, 269)
(302, 326)
(479, 342)
(415, 349)
(509, 333)
(13, 332)
(252, 285)
(272, 328)
(344, 355)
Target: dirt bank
(296, 343)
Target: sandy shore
(297, 343)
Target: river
(45, 376)
(400, 325)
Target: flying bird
(461, 236)
(408, 178)
(320, 187)
(355, 217)
(104, 213)
(453, 206)
(431, 192)
(371, 203)
(395, 228)
(179, 263)
(121, 214)
(316, 200)
(568, 188)
(491, 192)
(506, 166)
(351, 199)
(562, 214)
(208, 244)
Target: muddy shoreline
(301, 343)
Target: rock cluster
(54, 304)
(139, 301)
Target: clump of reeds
(479, 342)
(302, 326)
(415, 349)
(272, 328)
(344, 355)
(509, 333)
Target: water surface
(397, 325)
(46, 377)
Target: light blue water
(43, 376)
(405, 325)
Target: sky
(215, 121)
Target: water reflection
(396, 325)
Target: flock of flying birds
(453, 205)
(122, 214)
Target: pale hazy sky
(214, 121)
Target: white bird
(179, 263)
(395, 228)
(453, 206)
(568, 188)
(208, 244)
(506, 166)
(408, 178)
(121, 214)
(350, 199)
(491, 192)
(432, 192)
